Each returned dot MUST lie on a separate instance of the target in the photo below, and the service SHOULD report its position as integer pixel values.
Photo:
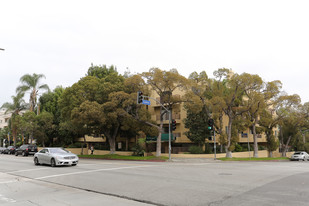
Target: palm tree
(16, 107)
(31, 83)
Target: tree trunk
(158, 150)
(112, 145)
(82, 152)
(285, 147)
(229, 137)
(127, 144)
(228, 153)
(270, 153)
(255, 144)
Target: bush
(238, 148)
(196, 150)
(76, 145)
(209, 149)
(139, 148)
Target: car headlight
(59, 157)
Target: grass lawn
(122, 157)
(254, 159)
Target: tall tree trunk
(112, 145)
(285, 147)
(228, 152)
(159, 143)
(158, 150)
(255, 143)
(229, 137)
(270, 153)
(127, 144)
(82, 152)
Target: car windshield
(58, 150)
(297, 153)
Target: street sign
(146, 102)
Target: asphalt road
(199, 182)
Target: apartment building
(4, 118)
(180, 142)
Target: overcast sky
(61, 38)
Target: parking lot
(106, 182)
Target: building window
(244, 135)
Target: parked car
(9, 150)
(300, 156)
(55, 157)
(2, 149)
(26, 149)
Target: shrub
(238, 148)
(139, 148)
(76, 145)
(196, 150)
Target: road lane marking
(6, 199)
(26, 170)
(90, 171)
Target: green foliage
(32, 83)
(238, 148)
(101, 71)
(76, 145)
(139, 148)
(272, 143)
(306, 147)
(197, 125)
(196, 150)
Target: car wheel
(73, 164)
(36, 161)
(23, 154)
(16, 153)
(53, 162)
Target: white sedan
(300, 156)
(55, 157)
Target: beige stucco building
(180, 141)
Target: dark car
(9, 150)
(26, 149)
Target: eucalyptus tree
(296, 117)
(32, 84)
(15, 108)
(259, 99)
(274, 115)
(164, 83)
(229, 99)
